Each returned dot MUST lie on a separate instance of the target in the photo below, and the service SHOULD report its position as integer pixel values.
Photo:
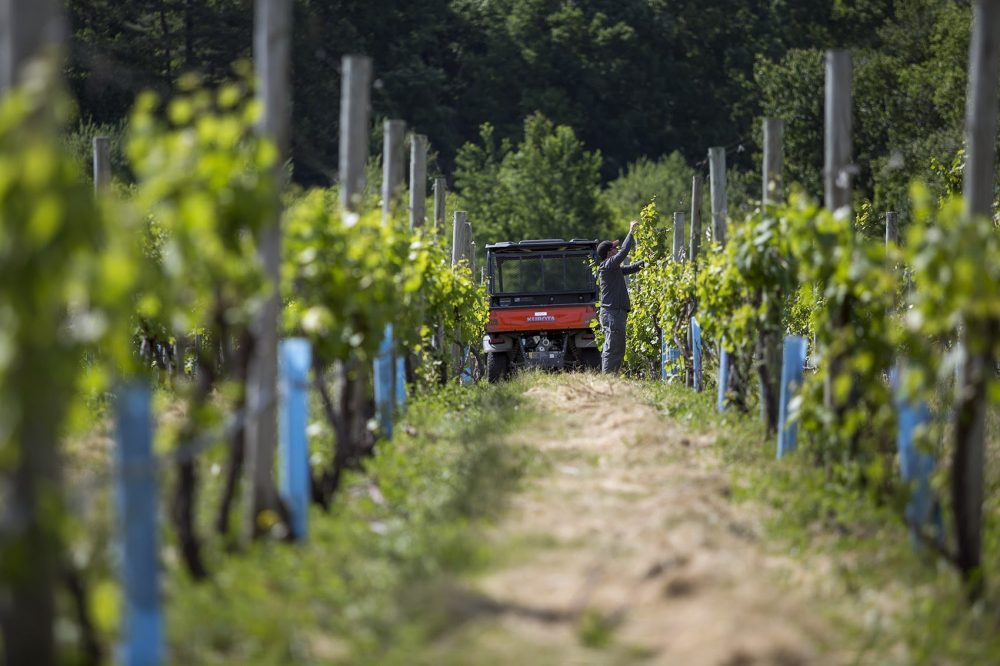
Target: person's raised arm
(619, 258)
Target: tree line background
(558, 117)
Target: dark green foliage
(909, 99)
(634, 78)
(792, 89)
(667, 180)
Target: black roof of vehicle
(543, 244)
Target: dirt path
(628, 550)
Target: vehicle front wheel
(497, 366)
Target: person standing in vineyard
(615, 304)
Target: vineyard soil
(628, 549)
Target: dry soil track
(627, 549)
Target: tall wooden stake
(461, 232)
(695, 218)
(418, 180)
(717, 178)
(355, 109)
(694, 329)
(440, 190)
(678, 236)
(768, 352)
(774, 159)
(837, 178)
(461, 238)
(972, 401)
(31, 507)
(102, 164)
(393, 134)
(272, 47)
(670, 356)
(27, 29)
(891, 229)
(837, 131)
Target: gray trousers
(613, 352)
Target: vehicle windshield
(542, 273)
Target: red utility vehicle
(543, 295)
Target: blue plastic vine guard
(295, 359)
(793, 364)
(696, 352)
(142, 633)
(385, 383)
(916, 467)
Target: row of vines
(929, 303)
(158, 279)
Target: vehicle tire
(590, 358)
(497, 366)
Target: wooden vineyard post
(694, 333)
(470, 256)
(440, 191)
(393, 133)
(418, 180)
(768, 353)
(891, 229)
(142, 637)
(717, 185)
(296, 359)
(28, 29)
(461, 233)
(695, 219)
(972, 399)
(384, 376)
(272, 62)
(774, 161)
(102, 164)
(669, 354)
(717, 182)
(837, 131)
(836, 172)
(30, 478)
(355, 107)
(440, 202)
(418, 218)
(460, 238)
(678, 237)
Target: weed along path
(624, 547)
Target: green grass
(897, 605)
(375, 582)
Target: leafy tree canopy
(547, 186)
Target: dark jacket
(614, 293)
